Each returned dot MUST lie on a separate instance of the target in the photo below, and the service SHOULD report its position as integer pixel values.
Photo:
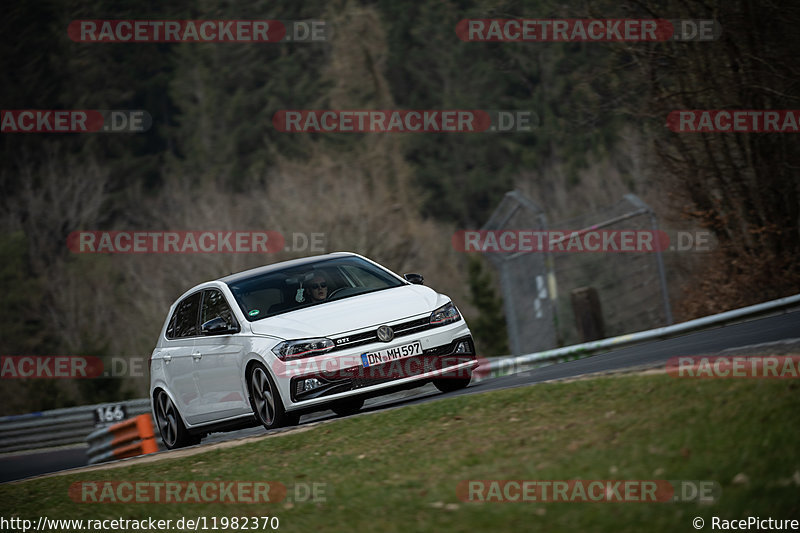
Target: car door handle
(167, 358)
(197, 355)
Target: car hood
(354, 313)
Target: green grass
(398, 470)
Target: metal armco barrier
(125, 439)
(57, 427)
(508, 365)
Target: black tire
(452, 384)
(348, 407)
(266, 401)
(173, 433)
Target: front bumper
(455, 360)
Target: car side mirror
(416, 279)
(217, 326)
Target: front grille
(367, 337)
(355, 340)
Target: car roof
(232, 278)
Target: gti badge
(385, 333)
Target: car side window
(214, 305)
(184, 320)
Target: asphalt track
(770, 329)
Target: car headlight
(302, 348)
(446, 314)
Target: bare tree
(742, 186)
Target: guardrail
(506, 365)
(57, 427)
(129, 438)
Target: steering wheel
(334, 291)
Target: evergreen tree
(489, 328)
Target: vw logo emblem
(385, 333)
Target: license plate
(390, 354)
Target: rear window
(184, 320)
(215, 306)
(294, 288)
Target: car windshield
(292, 288)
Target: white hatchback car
(270, 344)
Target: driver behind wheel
(319, 288)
